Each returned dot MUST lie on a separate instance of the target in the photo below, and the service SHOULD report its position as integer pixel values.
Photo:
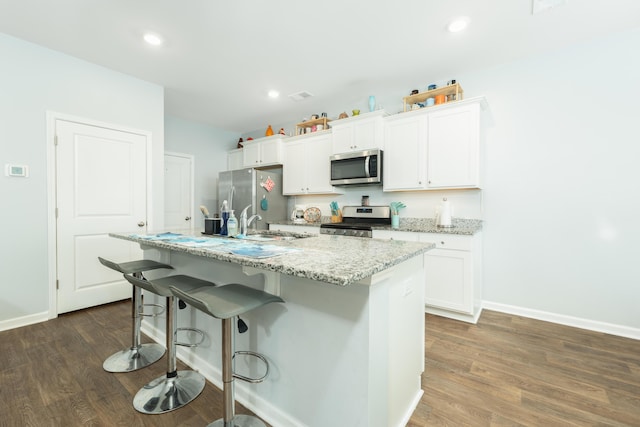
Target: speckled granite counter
(417, 225)
(337, 260)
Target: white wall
(562, 193)
(209, 147)
(34, 80)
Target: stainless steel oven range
(358, 221)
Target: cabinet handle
(141, 224)
(442, 243)
(187, 218)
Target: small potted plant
(395, 213)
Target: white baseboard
(18, 322)
(576, 322)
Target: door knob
(187, 218)
(141, 224)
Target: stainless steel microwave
(358, 167)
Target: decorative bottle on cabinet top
(372, 103)
(269, 131)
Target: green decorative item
(395, 207)
(395, 213)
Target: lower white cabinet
(453, 275)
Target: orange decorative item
(269, 131)
(440, 99)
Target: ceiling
(220, 58)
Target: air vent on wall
(299, 96)
(544, 5)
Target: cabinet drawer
(448, 241)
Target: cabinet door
(234, 159)
(367, 134)
(453, 152)
(294, 169)
(404, 158)
(251, 155)
(318, 170)
(270, 152)
(448, 282)
(342, 139)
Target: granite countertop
(338, 260)
(461, 226)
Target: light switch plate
(20, 171)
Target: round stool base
(166, 394)
(133, 359)
(240, 421)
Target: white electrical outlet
(20, 171)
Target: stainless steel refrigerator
(262, 189)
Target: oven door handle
(367, 160)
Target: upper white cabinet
(262, 152)
(305, 167)
(434, 148)
(405, 156)
(235, 159)
(360, 132)
(453, 147)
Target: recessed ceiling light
(153, 39)
(458, 24)
(273, 94)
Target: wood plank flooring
(513, 371)
(504, 371)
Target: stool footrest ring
(249, 379)
(161, 309)
(198, 332)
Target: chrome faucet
(244, 222)
(252, 217)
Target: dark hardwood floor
(504, 371)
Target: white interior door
(100, 188)
(178, 191)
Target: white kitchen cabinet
(305, 167)
(434, 148)
(235, 159)
(453, 147)
(360, 132)
(453, 277)
(262, 152)
(405, 155)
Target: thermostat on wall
(21, 171)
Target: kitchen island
(346, 347)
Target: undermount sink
(276, 235)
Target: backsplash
(420, 204)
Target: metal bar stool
(227, 302)
(138, 355)
(176, 388)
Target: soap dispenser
(224, 213)
(232, 225)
